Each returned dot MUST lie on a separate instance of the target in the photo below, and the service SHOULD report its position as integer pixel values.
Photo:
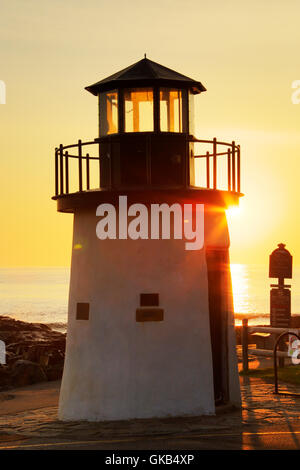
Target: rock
(27, 373)
(34, 352)
(55, 372)
(7, 323)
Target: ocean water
(35, 295)
(41, 294)
(251, 292)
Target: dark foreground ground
(28, 420)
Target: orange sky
(245, 53)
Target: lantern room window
(139, 110)
(171, 110)
(108, 112)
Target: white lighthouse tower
(150, 323)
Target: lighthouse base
(150, 326)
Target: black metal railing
(211, 158)
(232, 152)
(62, 173)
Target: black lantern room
(145, 127)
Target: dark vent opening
(83, 311)
(149, 300)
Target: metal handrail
(249, 330)
(275, 364)
(62, 157)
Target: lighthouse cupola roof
(145, 72)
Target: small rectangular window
(149, 300)
(171, 110)
(139, 110)
(108, 112)
(82, 311)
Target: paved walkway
(261, 410)
(260, 406)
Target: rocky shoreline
(34, 353)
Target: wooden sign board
(280, 264)
(280, 300)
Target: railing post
(215, 163)
(87, 171)
(229, 169)
(56, 171)
(99, 165)
(80, 164)
(245, 344)
(238, 169)
(61, 168)
(67, 171)
(207, 171)
(233, 166)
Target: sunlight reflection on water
(41, 294)
(251, 291)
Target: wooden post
(215, 162)
(245, 344)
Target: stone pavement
(260, 407)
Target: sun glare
(233, 211)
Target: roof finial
(145, 56)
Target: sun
(233, 211)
